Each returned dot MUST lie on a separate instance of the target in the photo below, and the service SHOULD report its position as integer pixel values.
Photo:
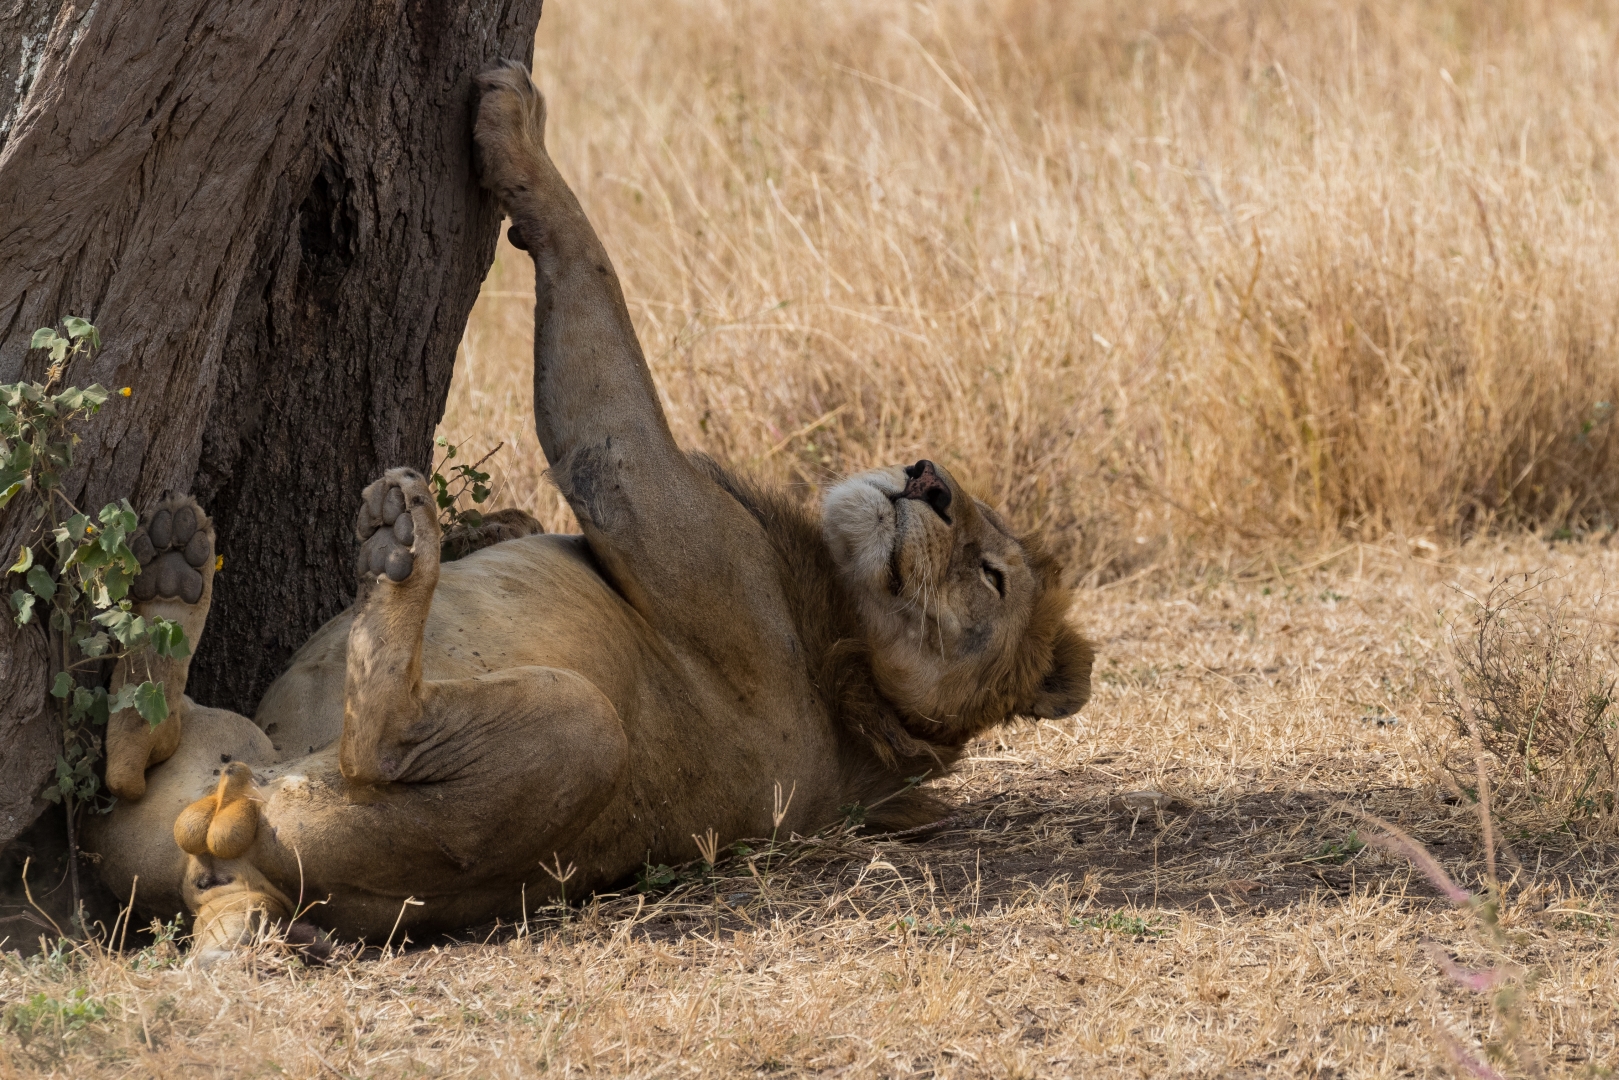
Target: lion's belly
(707, 748)
(533, 602)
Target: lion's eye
(993, 578)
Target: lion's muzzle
(922, 483)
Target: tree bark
(268, 208)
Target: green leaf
(24, 560)
(42, 339)
(58, 349)
(118, 515)
(111, 539)
(77, 327)
(40, 580)
(23, 603)
(151, 703)
(72, 530)
(123, 699)
(119, 576)
(94, 645)
(94, 705)
(22, 461)
(95, 395)
(63, 685)
(116, 620)
(90, 556)
(169, 639)
(128, 630)
(9, 492)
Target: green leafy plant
(1123, 924)
(42, 1015)
(462, 479)
(73, 570)
(1339, 851)
(662, 878)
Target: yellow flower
(219, 563)
(126, 391)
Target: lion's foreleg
(592, 389)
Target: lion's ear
(1067, 686)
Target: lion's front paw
(510, 132)
(233, 904)
(397, 527)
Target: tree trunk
(269, 211)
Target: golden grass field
(1293, 326)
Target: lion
(599, 699)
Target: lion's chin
(859, 523)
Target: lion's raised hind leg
(384, 720)
(175, 547)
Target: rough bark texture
(268, 209)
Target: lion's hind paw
(397, 525)
(175, 547)
(224, 823)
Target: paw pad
(224, 823)
(386, 526)
(174, 548)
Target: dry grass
(1161, 277)
(1044, 931)
(1532, 694)
(1200, 288)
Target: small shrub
(1534, 690)
(451, 482)
(73, 571)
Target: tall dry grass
(1154, 276)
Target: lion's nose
(922, 482)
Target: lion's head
(966, 622)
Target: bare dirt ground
(1046, 928)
